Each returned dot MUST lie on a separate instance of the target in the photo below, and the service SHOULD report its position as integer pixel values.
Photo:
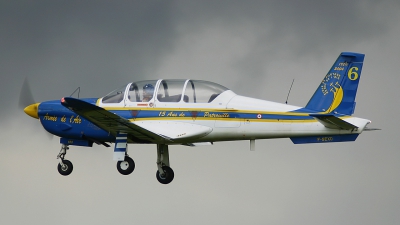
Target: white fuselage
(256, 126)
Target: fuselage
(230, 116)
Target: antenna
(289, 92)
(77, 89)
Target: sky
(255, 48)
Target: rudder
(338, 89)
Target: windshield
(115, 96)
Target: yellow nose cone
(32, 110)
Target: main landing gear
(127, 166)
(164, 173)
(65, 167)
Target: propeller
(25, 96)
(27, 102)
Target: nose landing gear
(65, 167)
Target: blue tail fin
(338, 89)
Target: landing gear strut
(65, 167)
(164, 173)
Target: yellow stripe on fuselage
(311, 120)
(206, 110)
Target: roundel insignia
(259, 116)
(134, 113)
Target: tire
(67, 169)
(126, 167)
(169, 175)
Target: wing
(331, 121)
(140, 132)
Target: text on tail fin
(337, 91)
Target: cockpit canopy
(174, 90)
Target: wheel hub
(64, 167)
(124, 165)
(163, 176)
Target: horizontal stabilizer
(371, 129)
(331, 121)
(324, 139)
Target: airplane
(195, 112)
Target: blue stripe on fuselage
(209, 115)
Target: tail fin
(338, 89)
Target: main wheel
(66, 169)
(127, 166)
(167, 177)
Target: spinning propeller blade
(27, 102)
(25, 96)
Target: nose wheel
(65, 167)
